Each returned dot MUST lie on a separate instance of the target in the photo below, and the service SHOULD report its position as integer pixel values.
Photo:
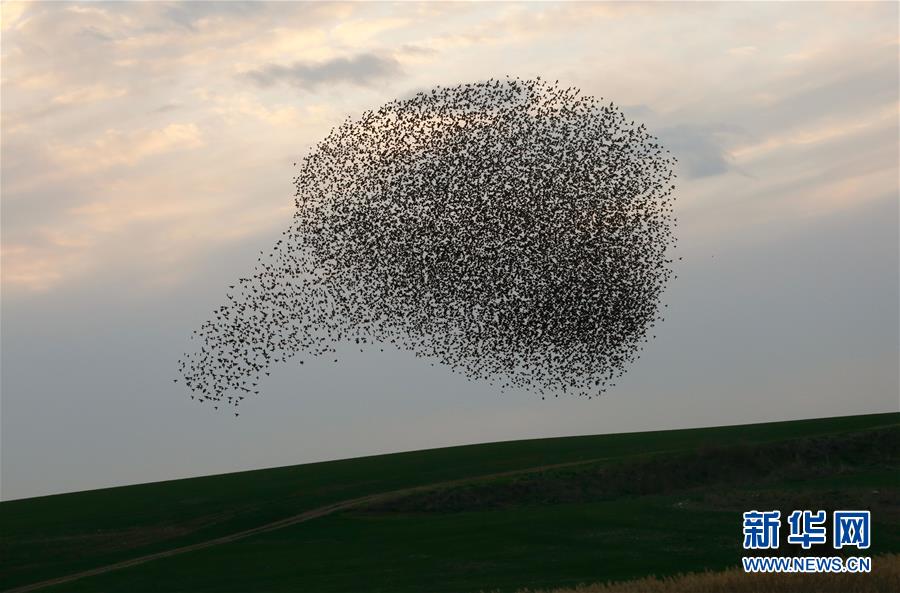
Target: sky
(147, 154)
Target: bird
(516, 231)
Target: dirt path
(286, 522)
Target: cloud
(745, 50)
(749, 108)
(699, 149)
(852, 81)
(97, 34)
(234, 106)
(361, 70)
(170, 106)
(35, 269)
(11, 13)
(831, 129)
(416, 50)
(360, 31)
(88, 94)
(116, 147)
(188, 14)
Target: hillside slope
(675, 495)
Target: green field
(625, 506)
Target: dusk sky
(147, 153)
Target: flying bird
(516, 231)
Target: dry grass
(884, 578)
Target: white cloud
(11, 14)
(745, 50)
(100, 160)
(829, 131)
(116, 147)
(88, 94)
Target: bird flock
(516, 231)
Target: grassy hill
(501, 516)
(883, 579)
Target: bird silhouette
(516, 231)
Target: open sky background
(147, 155)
